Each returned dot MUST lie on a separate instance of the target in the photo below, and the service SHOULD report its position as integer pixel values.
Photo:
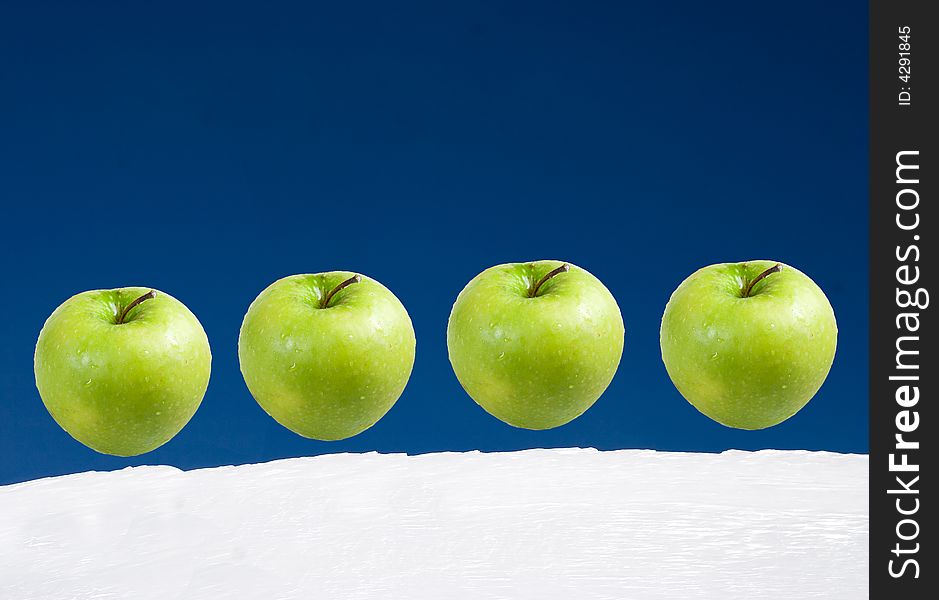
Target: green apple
(123, 370)
(748, 344)
(326, 355)
(535, 344)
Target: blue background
(207, 149)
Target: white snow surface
(572, 524)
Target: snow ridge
(572, 524)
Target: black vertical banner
(904, 66)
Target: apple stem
(123, 315)
(562, 269)
(774, 269)
(332, 292)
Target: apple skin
(326, 373)
(748, 362)
(535, 362)
(122, 388)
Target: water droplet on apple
(501, 355)
(293, 366)
(88, 382)
(714, 356)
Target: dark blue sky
(207, 149)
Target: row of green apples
(535, 344)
